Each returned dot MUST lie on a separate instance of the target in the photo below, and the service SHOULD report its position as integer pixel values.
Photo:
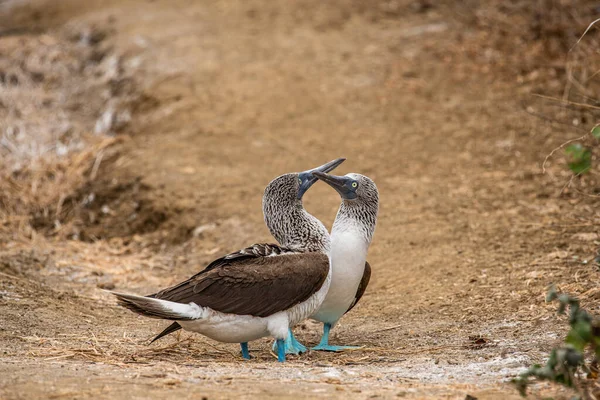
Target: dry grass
(540, 44)
(64, 95)
(60, 187)
(42, 186)
(547, 46)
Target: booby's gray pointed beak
(342, 184)
(307, 178)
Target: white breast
(347, 258)
(305, 309)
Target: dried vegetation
(66, 98)
(69, 103)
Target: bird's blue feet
(280, 350)
(331, 347)
(300, 348)
(245, 352)
(292, 346)
(324, 343)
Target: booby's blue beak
(307, 178)
(344, 185)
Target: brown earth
(138, 137)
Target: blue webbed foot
(280, 350)
(291, 345)
(331, 347)
(245, 352)
(324, 343)
(297, 345)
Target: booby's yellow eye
(354, 184)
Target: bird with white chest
(281, 219)
(350, 237)
(262, 290)
(283, 210)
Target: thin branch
(568, 184)
(558, 148)
(550, 119)
(566, 101)
(584, 33)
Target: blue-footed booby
(351, 236)
(280, 226)
(280, 221)
(258, 291)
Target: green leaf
(580, 158)
(552, 294)
(580, 335)
(573, 358)
(596, 131)
(551, 361)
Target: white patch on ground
(498, 368)
(424, 371)
(6, 295)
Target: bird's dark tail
(156, 308)
(174, 327)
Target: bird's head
(351, 187)
(290, 188)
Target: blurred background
(137, 136)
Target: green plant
(567, 364)
(579, 157)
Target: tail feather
(156, 308)
(174, 327)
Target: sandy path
(234, 93)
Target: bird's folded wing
(253, 284)
(254, 251)
(362, 286)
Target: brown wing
(254, 251)
(257, 285)
(362, 286)
(251, 252)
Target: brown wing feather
(253, 285)
(362, 286)
(255, 251)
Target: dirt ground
(138, 136)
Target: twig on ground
(388, 328)
(584, 33)
(558, 148)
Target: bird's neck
(355, 219)
(295, 228)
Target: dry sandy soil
(137, 137)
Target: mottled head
(360, 201)
(285, 216)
